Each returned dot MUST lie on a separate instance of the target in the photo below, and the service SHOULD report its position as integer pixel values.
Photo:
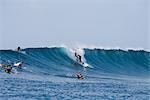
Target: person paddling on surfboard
(18, 65)
(7, 68)
(79, 76)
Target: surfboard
(85, 65)
(82, 63)
(73, 76)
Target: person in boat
(79, 76)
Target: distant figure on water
(18, 65)
(7, 68)
(79, 76)
(18, 49)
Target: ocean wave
(61, 60)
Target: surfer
(18, 65)
(79, 76)
(78, 58)
(76, 55)
(8, 69)
(18, 49)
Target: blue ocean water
(49, 73)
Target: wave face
(136, 63)
(56, 61)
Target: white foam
(85, 46)
(92, 47)
(71, 53)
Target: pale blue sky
(108, 23)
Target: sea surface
(50, 74)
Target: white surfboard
(85, 65)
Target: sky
(105, 23)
